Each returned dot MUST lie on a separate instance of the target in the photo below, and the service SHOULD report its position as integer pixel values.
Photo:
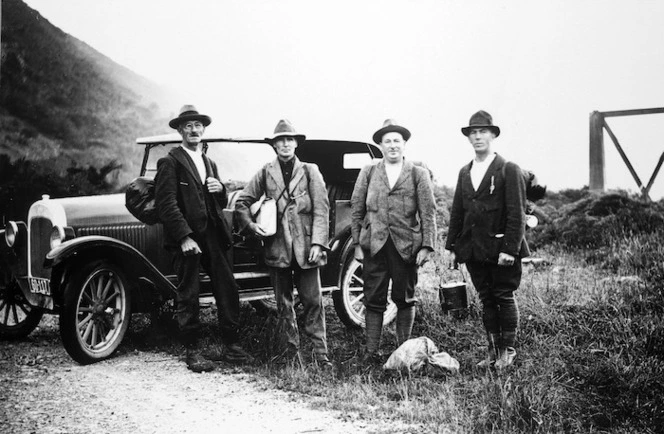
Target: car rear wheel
(95, 314)
(17, 318)
(348, 300)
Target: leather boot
(494, 341)
(506, 358)
(196, 362)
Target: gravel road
(43, 391)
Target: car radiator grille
(133, 234)
(40, 244)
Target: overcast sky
(339, 69)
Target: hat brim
(175, 123)
(378, 135)
(299, 137)
(466, 130)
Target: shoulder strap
(208, 167)
(264, 179)
(371, 171)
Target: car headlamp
(10, 233)
(57, 236)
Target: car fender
(339, 247)
(94, 247)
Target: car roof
(341, 145)
(165, 139)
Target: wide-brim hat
(481, 119)
(189, 113)
(391, 126)
(285, 128)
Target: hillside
(60, 100)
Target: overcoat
(406, 213)
(303, 210)
(491, 220)
(183, 202)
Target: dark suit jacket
(406, 213)
(491, 220)
(183, 203)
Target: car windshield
(237, 161)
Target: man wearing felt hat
(487, 233)
(189, 199)
(297, 250)
(394, 230)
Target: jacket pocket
(302, 202)
(365, 236)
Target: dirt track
(43, 391)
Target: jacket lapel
(181, 157)
(406, 173)
(466, 181)
(491, 174)
(298, 173)
(381, 174)
(274, 171)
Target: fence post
(596, 151)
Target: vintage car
(89, 261)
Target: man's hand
(190, 247)
(214, 185)
(505, 259)
(257, 230)
(422, 257)
(359, 254)
(315, 253)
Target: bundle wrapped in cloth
(421, 353)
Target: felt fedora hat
(481, 119)
(284, 128)
(189, 113)
(391, 126)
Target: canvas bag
(264, 213)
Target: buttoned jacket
(303, 212)
(184, 205)
(406, 212)
(491, 220)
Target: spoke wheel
(95, 314)
(348, 300)
(17, 318)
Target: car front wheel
(348, 299)
(17, 317)
(96, 313)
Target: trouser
(224, 288)
(309, 291)
(496, 285)
(379, 269)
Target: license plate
(39, 286)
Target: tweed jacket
(491, 220)
(183, 203)
(303, 208)
(406, 213)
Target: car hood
(95, 210)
